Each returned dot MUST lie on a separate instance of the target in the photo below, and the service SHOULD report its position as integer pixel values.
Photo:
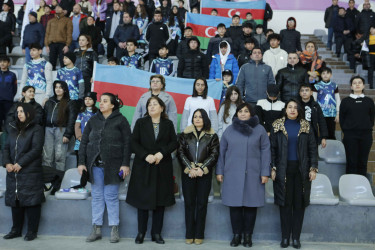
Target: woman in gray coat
(243, 168)
(157, 88)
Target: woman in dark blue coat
(23, 161)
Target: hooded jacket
(277, 58)
(289, 79)
(290, 38)
(39, 112)
(213, 46)
(217, 66)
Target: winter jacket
(216, 70)
(203, 150)
(314, 115)
(25, 149)
(124, 32)
(8, 85)
(39, 113)
(261, 38)
(192, 65)
(33, 33)
(213, 46)
(239, 44)
(244, 57)
(157, 34)
(268, 111)
(108, 24)
(182, 48)
(51, 110)
(343, 23)
(234, 32)
(307, 158)
(253, 79)
(330, 13)
(85, 61)
(289, 80)
(352, 14)
(59, 30)
(364, 20)
(276, 58)
(108, 138)
(152, 185)
(290, 40)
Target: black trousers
(33, 218)
(331, 127)
(111, 45)
(292, 213)
(120, 52)
(196, 192)
(357, 147)
(243, 219)
(87, 80)
(56, 51)
(371, 71)
(157, 220)
(4, 109)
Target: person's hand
(65, 140)
(47, 49)
(273, 174)
(16, 168)
(312, 175)
(192, 173)
(12, 32)
(264, 179)
(199, 172)
(98, 14)
(140, 31)
(220, 178)
(268, 133)
(9, 168)
(337, 118)
(126, 171)
(158, 157)
(218, 79)
(314, 74)
(324, 143)
(357, 55)
(299, 52)
(23, 51)
(226, 84)
(81, 168)
(65, 49)
(91, 80)
(150, 159)
(79, 138)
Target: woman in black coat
(294, 165)
(24, 183)
(103, 154)
(198, 151)
(151, 183)
(94, 32)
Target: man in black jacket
(113, 19)
(330, 14)
(365, 19)
(290, 78)
(342, 28)
(352, 12)
(157, 33)
(193, 64)
(354, 50)
(213, 45)
(314, 114)
(238, 44)
(235, 29)
(123, 33)
(244, 57)
(290, 37)
(183, 46)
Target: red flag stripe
(257, 13)
(202, 30)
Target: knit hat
(71, 56)
(92, 95)
(273, 90)
(33, 13)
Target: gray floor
(72, 243)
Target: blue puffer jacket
(231, 64)
(33, 33)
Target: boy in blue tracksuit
(131, 58)
(8, 87)
(222, 61)
(72, 76)
(162, 65)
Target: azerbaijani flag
(204, 26)
(229, 9)
(130, 84)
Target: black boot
(236, 240)
(284, 243)
(12, 234)
(30, 236)
(296, 244)
(157, 238)
(139, 239)
(247, 242)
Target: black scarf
(245, 127)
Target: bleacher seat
(332, 162)
(321, 191)
(17, 50)
(21, 61)
(72, 178)
(356, 190)
(3, 175)
(324, 38)
(269, 191)
(15, 72)
(54, 75)
(319, 33)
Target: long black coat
(26, 150)
(152, 185)
(111, 139)
(307, 158)
(289, 80)
(39, 113)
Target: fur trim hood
(245, 127)
(191, 129)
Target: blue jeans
(330, 38)
(104, 195)
(27, 55)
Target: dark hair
(181, 1)
(205, 91)
(357, 77)
(171, 19)
(235, 16)
(247, 13)
(206, 119)
(83, 107)
(143, 12)
(249, 40)
(26, 88)
(162, 79)
(132, 40)
(257, 47)
(188, 28)
(62, 114)
(247, 25)
(35, 46)
(214, 10)
(341, 8)
(300, 110)
(269, 30)
(114, 59)
(4, 58)
(158, 12)
(163, 46)
(227, 102)
(29, 111)
(274, 36)
(315, 46)
(117, 102)
(326, 69)
(89, 43)
(161, 103)
(221, 25)
(259, 26)
(248, 106)
(223, 44)
(305, 85)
